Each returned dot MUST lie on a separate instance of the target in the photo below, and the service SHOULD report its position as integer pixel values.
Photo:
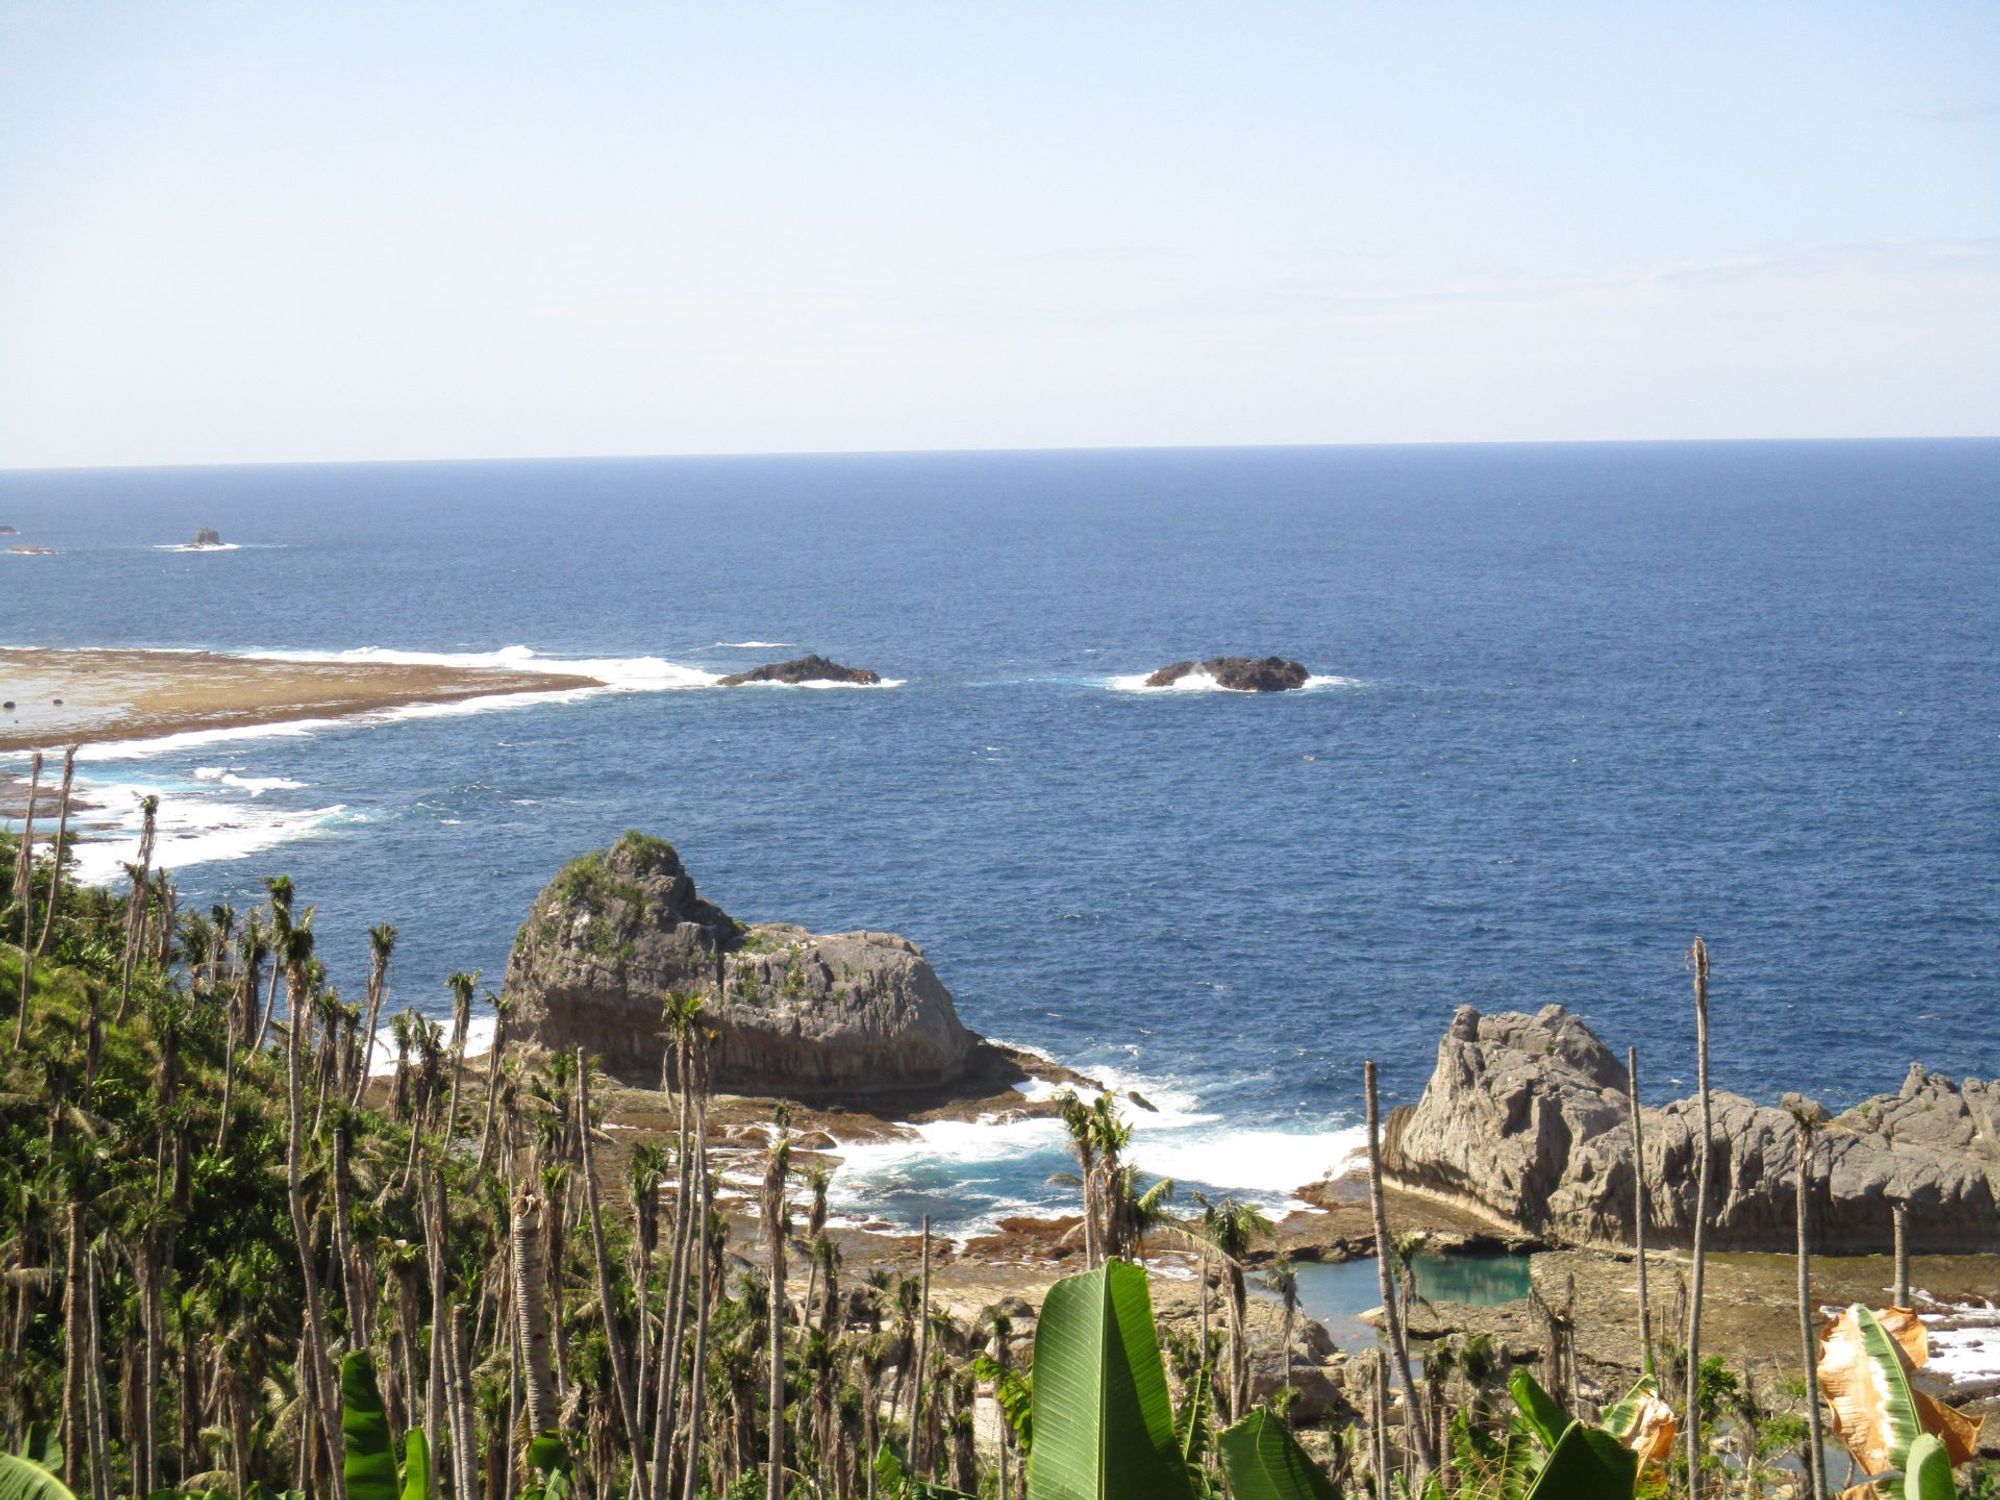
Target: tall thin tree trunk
(699, 1363)
(316, 1341)
(1698, 962)
(60, 853)
(774, 1230)
(76, 1345)
(24, 892)
(492, 1085)
(1808, 1336)
(676, 1308)
(1639, 1202)
(141, 899)
(919, 1384)
(1899, 1213)
(621, 1368)
(100, 1438)
(531, 1310)
(1399, 1342)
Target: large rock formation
(206, 536)
(805, 1016)
(1525, 1118)
(1241, 674)
(814, 668)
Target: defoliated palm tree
(461, 985)
(1697, 962)
(381, 943)
(140, 900)
(1230, 1227)
(1283, 1280)
(777, 1210)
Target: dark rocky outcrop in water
(807, 1016)
(207, 536)
(1241, 674)
(813, 668)
(1525, 1119)
(8, 531)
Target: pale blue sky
(269, 231)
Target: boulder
(1526, 1120)
(804, 1015)
(814, 668)
(1241, 674)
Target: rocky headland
(803, 1016)
(1526, 1121)
(802, 669)
(1239, 674)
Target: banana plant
(1103, 1423)
(1865, 1362)
(370, 1466)
(1927, 1471)
(1263, 1461)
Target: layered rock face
(813, 668)
(1241, 674)
(1525, 1118)
(804, 1015)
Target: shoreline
(104, 695)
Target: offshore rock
(1241, 674)
(814, 668)
(1525, 1119)
(806, 1016)
(206, 536)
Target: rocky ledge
(1526, 1120)
(814, 668)
(804, 1016)
(1240, 674)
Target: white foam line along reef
(1199, 681)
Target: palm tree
(461, 985)
(381, 943)
(58, 853)
(1807, 1117)
(140, 899)
(24, 895)
(777, 1211)
(1230, 1227)
(621, 1369)
(1077, 1120)
(1697, 962)
(1639, 1201)
(501, 1006)
(1392, 1315)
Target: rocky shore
(1526, 1121)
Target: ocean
(1572, 704)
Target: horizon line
(945, 452)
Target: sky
(249, 232)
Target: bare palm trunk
(76, 1436)
(1808, 1338)
(675, 1311)
(316, 1341)
(24, 892)
(1900, 1219)
(531, 1310)
(1392, 1315)
(1698, 961)
(1639, 1202)
(621, 1368)
(492, 1085)
(699, 1363)
(61, 851)
(100, 1437)
(920, 1387)
(774, 1229)
(141, 899)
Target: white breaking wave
(752, 646)
(191, 547)
(256, 786)
(1199, 681)
(191, 830)
(628, 674)
(1008, 1160)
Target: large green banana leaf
(42, 1444)
(416, 1466)
(1103, 1426)
(1588, 1464)
(24, 1479)
(1927, 1476)
(370, 1466)
(1544, 1417)
(1262, 1461)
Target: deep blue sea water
(1596, 699)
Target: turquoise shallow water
(1577, 704)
